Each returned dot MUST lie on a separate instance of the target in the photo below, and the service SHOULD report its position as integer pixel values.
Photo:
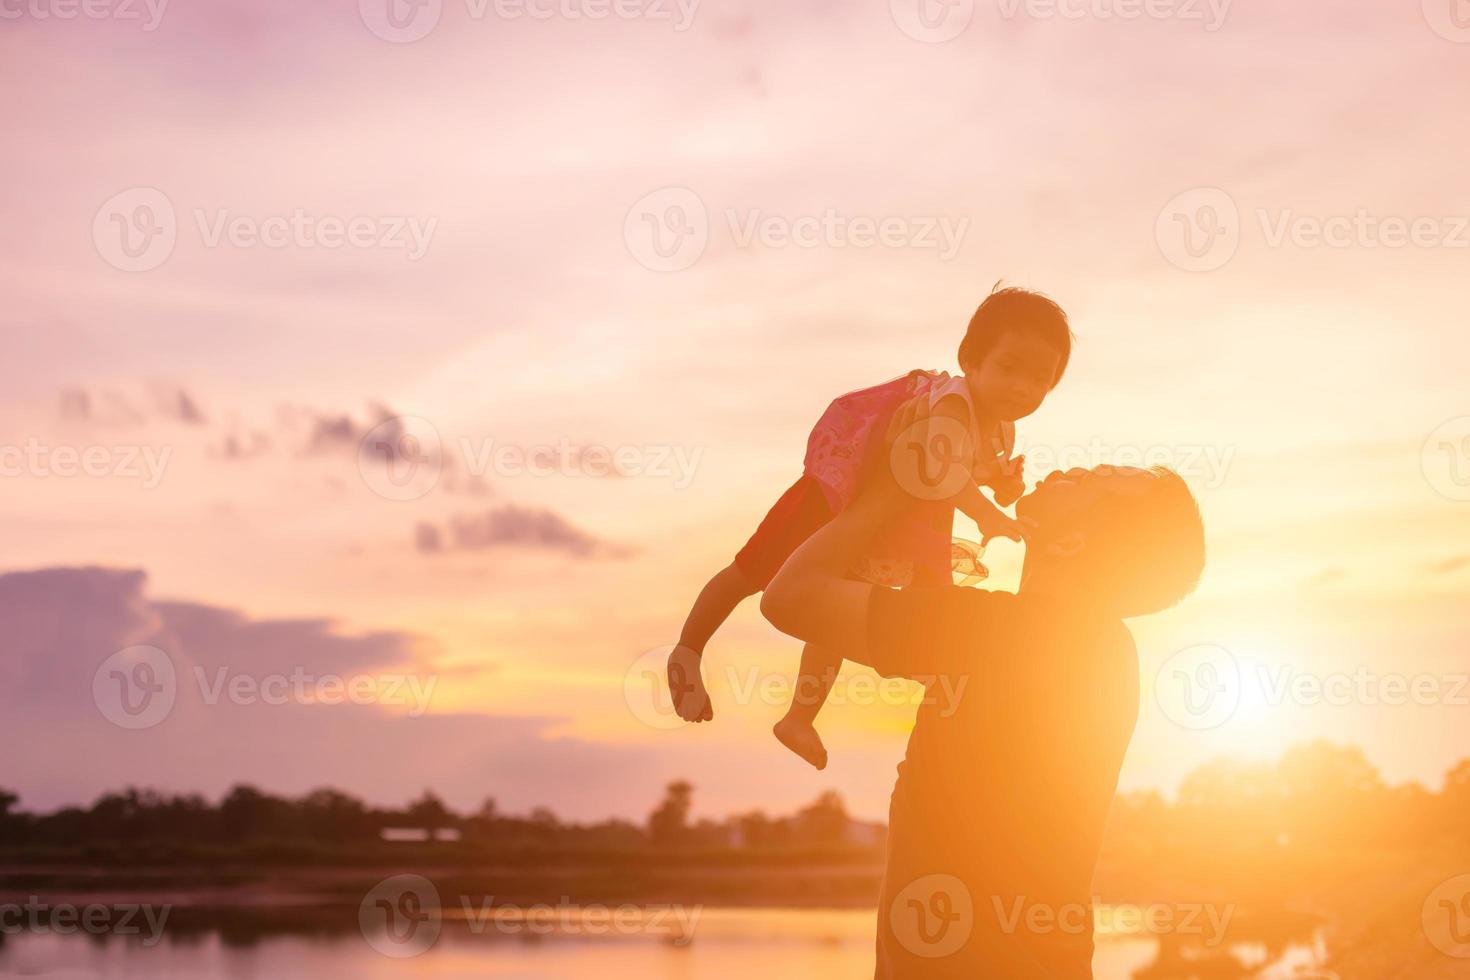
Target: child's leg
(717, 600)
(818, 672)
(797, 731)
(794, 517)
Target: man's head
(1131, 539)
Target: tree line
(1320, 796)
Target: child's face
(1013, 379)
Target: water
(728, 944)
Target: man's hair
(1150, 546)
(1009, 309)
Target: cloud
(216, 637)
(1448, 566)
(105, 407)
(316, 432)
(510, 526)
(169, 401)
(238, 445)
(59, 619)
(76, 405)
(331, 432)
(62, 624)
(384, 438)
(175, 403)
(1326, 576)
(428, 538)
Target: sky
(451, 351)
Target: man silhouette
(997, 815)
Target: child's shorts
(800, 513)
(918, 546)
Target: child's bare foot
(801, 738)
(686, 686)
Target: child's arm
(717, 600)
(1009, 484)
(991, 520)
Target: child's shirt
(837, 449)
(919, 546)
(993, 448)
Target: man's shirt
(998, 813)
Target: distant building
(420, 835)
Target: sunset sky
(1309, 391)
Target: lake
(727, 944)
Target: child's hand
(686, 686)
(1010, 485)
(994, 524)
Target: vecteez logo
(646, 689)
(933, 916)
(148, 13)
(1450, 19)
(667, 230)
(1446, 917)
(932, 21)
(136, 687)
(1445, 459)
(1199, 687)
(401, 458)
(401, 21)
(401, 917)
(932, 458)
(1199, 230)
(136, 230)
(407, 21)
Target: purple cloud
(511, 526)
(63, 624)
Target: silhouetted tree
(12, 824)
(327, 814)
(429, 811)
(824, 822)
(246, 813)
(670, 822)
(1333, 794)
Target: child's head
(1014, 352)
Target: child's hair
(1010, 308)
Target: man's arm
(900, 634)
(913, 633)
(811, 597)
